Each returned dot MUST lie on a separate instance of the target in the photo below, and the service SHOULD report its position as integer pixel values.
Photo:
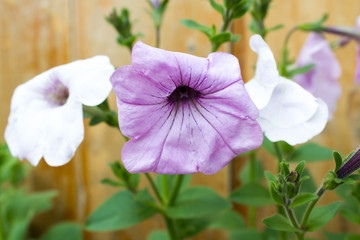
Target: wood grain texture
(38, 35)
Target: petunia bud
(293, 176)
(350, 166)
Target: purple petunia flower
(184, 114)
(322, 79)
(350, 165)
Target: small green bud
(292, 177)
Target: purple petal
(175, 131)
(322, 80)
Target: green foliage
(299, 70)
(120, 211)
(121, 22)
(351, 207)
(314, 26)
(12, 171)
(245, 174)
(245, 234)
(124, 178)
(158, 13)
(158, 235)
(65, 230)
(168, 184)
(310, 152)
(101, 113)
(252, 194)
(196, 202)
(320, 216)
(280, 223)
(197, 26)
(228, 220)
(17, 207)
(303, 199)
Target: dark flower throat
(183, 93)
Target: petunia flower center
(57, 93)
(183, 93)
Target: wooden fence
(38, 35)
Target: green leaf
(228, 220)
(352, 237)
(310, 152)
(338, 160)
(245, 234)
(270, 177)
(280, 223)
(275, 28)
(158, 235)
(334, 236)
(252, 194)
(300, 167)
(301, 70)
(320, 216)
(65, 230)
(302, 199)
(196, 202)
(269, 146)
(218, 7)
(118, 212)
(196, 26)
(314, 26)
(220, 38)
(235, 38)
(191, 227)
(244, 175)
(350, 215)
(112, 182)
(275, 196)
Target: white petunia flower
(287, 111)
(46, 118)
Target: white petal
(65, 132)
(259, 93)
(289, 105)
(87, 79)
(266, 77)
(298, 133)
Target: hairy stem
(310, 207)
(155, 189)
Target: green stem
(165, 192)
(107, 116)
(171, 226)
(175, 192)
(155, 189)
(224, 27)
(290, 215)
(228, 18)
(252, 209)
(279, 153)
(157, 37)
(310, 207)
(284, 55)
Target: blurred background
(38, 35)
